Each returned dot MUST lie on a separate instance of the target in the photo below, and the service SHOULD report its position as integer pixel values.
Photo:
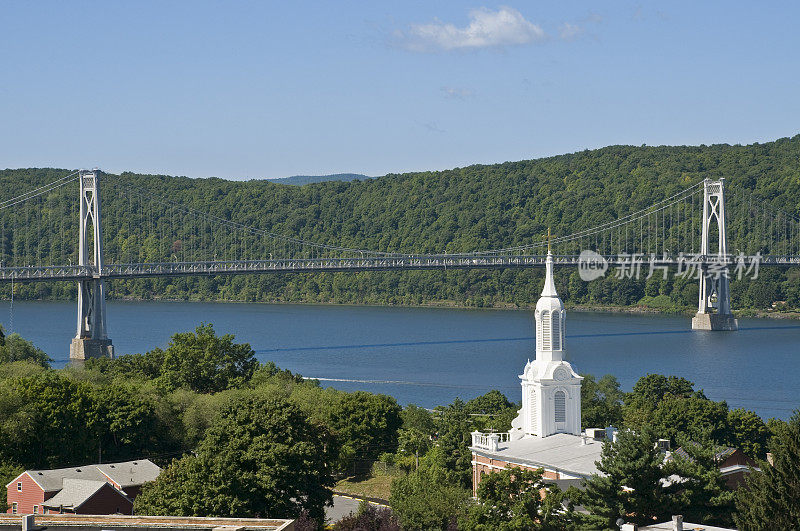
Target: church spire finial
(549, 289)
(549, 238)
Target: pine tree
(701, 496)
(771, 498)
(632, 486)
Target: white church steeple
(550, 317)
(551, 390)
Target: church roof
(559, 452)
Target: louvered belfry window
(546, 330)
(555, 326)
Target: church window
(560, 400)
(556, 330)
(545, 330)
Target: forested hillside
(463, 209)
(300, 180)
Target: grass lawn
(374, 485)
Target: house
(93, 489)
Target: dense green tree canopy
(15, 348)
(601, 402)
(427, 499)
(771, 498)
(366, 423)
(261, 457)
(199, 360)
(511, 499)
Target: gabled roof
(130, 473)
(53, 480)
(76, 492)
(124, 474)
(720, 452)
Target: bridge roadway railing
(310, 265)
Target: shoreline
(452, 305)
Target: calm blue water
(431, 356)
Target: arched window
(546, 330)
(560, 402)
(555, 326)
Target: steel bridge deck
(317, 265)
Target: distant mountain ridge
(300, 180)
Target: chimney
(677, 522)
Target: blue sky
(269, 89)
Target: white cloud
(486, 29)
(456, 93)
(569, 31)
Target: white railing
(489, 441)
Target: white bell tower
(551, 390)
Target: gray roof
(76, 492)
(130, 473)
(125, 474)
(561, 451)
(669, 526)
(53, 480)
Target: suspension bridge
(46, 235)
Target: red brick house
(93, 489)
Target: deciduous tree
(517, 499)
(261, 457)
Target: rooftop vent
(598, 434)
(77, 470)
(111, 466)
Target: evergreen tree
(631, 486)
(701, 495)
(771, 497)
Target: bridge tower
(714, 310)
(91, 340)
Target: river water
(430, 356)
